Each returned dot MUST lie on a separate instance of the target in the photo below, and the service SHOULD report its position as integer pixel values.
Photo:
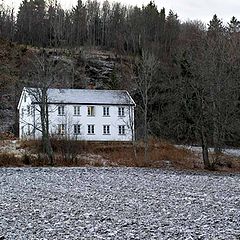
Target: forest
(184, 76)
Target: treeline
(187, 74)
(46, 24)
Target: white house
(83, 114)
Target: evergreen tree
(234, 25)
(39, 23)
(24, 22)
(172, 30)
(7, 22)
(150, 23)
(31, 23)
(79, 21)
(215, 27)
(105, 14)
(55, 23)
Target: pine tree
(79, 19)
(215, 27)
(234, 25)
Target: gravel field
(118, 203)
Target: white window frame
(106, 111)
(29, 112)
(106, 130)
(91, 129)
(121, 111)
(61, 129)
(22, 131)
(61, 110)
(28, 129)
(77, 129)
(121, 129)
(76, 110)
(90, 111)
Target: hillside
(11, 56)
(92, 68)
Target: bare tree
(130, 119)
(44, 72)
(146, 70)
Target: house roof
(89, 96)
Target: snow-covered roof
(89, 96)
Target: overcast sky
(186, 9)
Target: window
(121, 129)
(91, 111)
(91, 129)
(77, 129)
(105, 111)
(121, 111)
(61, 129)
(106, 129)
(22, 112)
(22, 130)
(76, 110)
(28, 129)
(29, 110)
(61, 110)
(25, 98)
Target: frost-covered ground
(234, 152)
(118, 203)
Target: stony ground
(118, 203)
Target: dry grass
(161, 154)
(225, 163)
(10, 160)
(34, 146)
(6, 136)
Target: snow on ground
(234, 152)
(118, 203)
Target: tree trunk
(216, 133)
(207, 164)
(47, 147)
(145, 135)
(134, 143)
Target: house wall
(69, 119)
(26, 121)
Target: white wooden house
(83, 114)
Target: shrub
(161, 154)
(26, 159)
(7, 136)
(10, 160)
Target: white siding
(26, 122)
(98, 120)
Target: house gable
(21, 98)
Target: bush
(7, 136)
(10, 160)
(26, 159)
(161, 154)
